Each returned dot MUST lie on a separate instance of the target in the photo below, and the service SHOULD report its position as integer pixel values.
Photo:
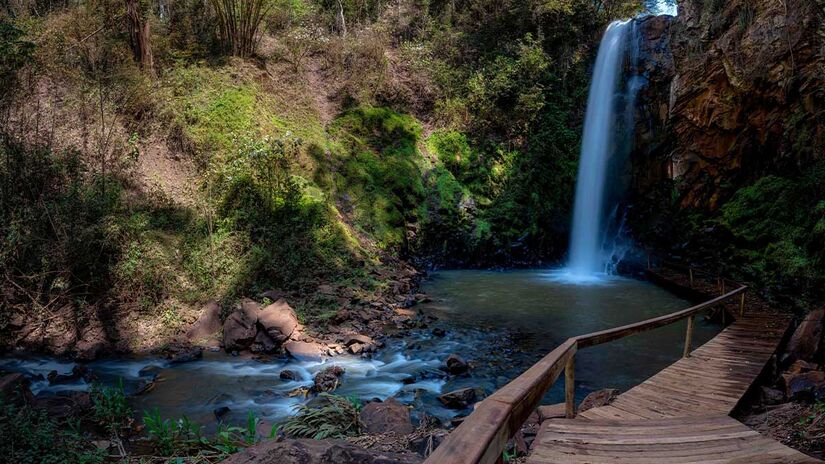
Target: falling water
(598, 145)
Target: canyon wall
(739, 95)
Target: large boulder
(240, 327)
(598, 398)
(804, 344)
(263, 343)
(304, 351)
(387, 416)
(307, 451)
(279, 321)
(208, 323)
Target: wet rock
(207, 324)
(263, 343)
(460, 399)
(184, 354)
(240, 328)
(304, 351)
(806, 386)
(598, 398)
(804, 343)
(287, 374)
(79, 372)
(456, 365)
(221, 412)
(439, 332)
(328, 379)
(307, 451)
(387, 416)
(279, 321)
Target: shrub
(109, 404)
(32, 437)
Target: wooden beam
(689, 336)
(570, 388)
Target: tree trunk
(139, 36)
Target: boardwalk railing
(483, 435)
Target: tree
(239, 22)
(139, 37)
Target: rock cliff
(740, 95)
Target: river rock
(78, 372)
(207, 324)
(387, 416)
(184, 353)
(287, 374)
(221, 412)
(279, 321)
(240, 328)
(328, 379)
(307, 451)
(304, 351)
(263, 343)
(598, 398)
(457, 365)
(460, 399)
(804, 343)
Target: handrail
(483, 435)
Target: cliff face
(745, 98)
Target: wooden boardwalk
(680, 415)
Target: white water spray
(598, 144)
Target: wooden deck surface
(679, 415)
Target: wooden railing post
(723, 286)
(688, 336)
(570, 388)
(742, 304)
(691, 277)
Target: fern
(332, 417)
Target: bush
(32, 437)
(109, 403)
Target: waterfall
(599, 144)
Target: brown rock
(598, 399)
(279, 321)
(307, 451)
(353, 339)
(240, 328)
(263, 343)
(460, 399)
(808, 385)
(387, 416)
(208, 323)
(328, 379)
(457, 365)
(804, 344)
(304, 351)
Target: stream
(501, 322)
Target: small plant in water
(109, 405)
